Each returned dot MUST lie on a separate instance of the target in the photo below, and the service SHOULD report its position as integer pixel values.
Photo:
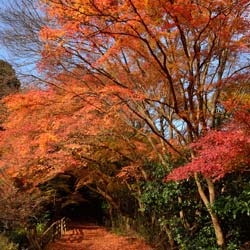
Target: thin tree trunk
(170, 236)
(209, 203)
(182, 215)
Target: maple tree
(49, 132)
(220, 151)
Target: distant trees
(8, 79)
(9, 83)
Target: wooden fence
(56, 230)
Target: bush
(5, 244)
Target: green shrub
(18, 235)
(5, 244)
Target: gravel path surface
(92, 237)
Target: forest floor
(92, 237)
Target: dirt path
(92, 237)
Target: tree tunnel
(81, 205)
(79, 202)
(88, 209)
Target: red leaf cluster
(220, 151)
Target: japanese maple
(53, 130)
(220, 151)
(167, 66)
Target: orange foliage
(165, 60)
(53, 130)
(146, 75)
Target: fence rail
(56, 230)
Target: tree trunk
(182, 215)
(170, 237)
(209, 203)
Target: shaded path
(92, 237)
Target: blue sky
(22, 64)
(4, 55)
(3, 52)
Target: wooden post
(61, 227)
(56, 230)
(64, 225)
